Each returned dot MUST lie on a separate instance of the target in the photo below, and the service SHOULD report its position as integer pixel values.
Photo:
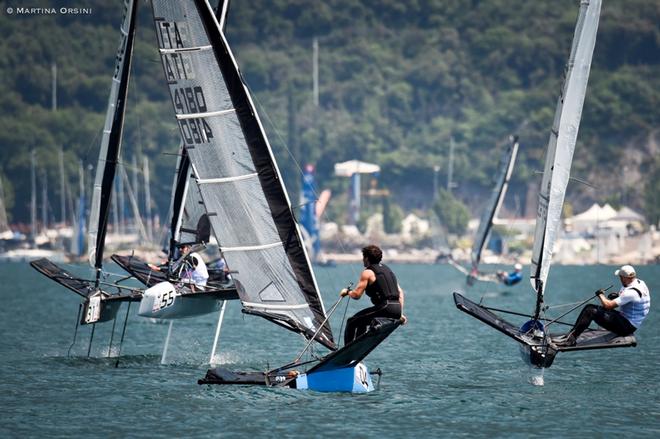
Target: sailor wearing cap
(633, 302)
(195, 273)
(512, 278)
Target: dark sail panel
(239, 182)
(111, 140)
(495, 202)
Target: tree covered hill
(397, 80)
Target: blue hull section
(348, 379)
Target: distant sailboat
(246, 202)
(534, 335)
(486, 223)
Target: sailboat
(189, 225)
(246, 202)
(101, 300)
(486, 223)
(165, 299)
(534, 335)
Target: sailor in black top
(382, 287)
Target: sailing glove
(599, 292)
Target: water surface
(445, 373)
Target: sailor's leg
(358, 324)
(614, 321)
(586, 316)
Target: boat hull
(538, 353)
(354, 379)
(163, 301)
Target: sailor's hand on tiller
(599, 292)
(344, 292)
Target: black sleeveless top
(385, 288)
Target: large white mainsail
(494, 203)
(561, 145)
(111, 140)
(235, 171)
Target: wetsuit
(384, 294)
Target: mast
(495, 202)
(4, 223)
(44, 201)
(561, 146)
(315, 70)
(33, 195)
(235, 172)
(135, 190)
(62, 189)
(450, 171)
(120, 199)
(111, 141)
(221, 13)
(179, 189)
(147, 199)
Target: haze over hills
(397, 80)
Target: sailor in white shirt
(633, 302)
(194, 273)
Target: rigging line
(75, 333)
(89, 146)
(262, 111)
(295, 362)
(521, 314)
(576, 306)
(563, 305)
(343, 319)
(123, 332)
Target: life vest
(385, 288)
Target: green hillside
(397, 80)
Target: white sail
(561, 145)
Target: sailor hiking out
(382, 287)
(633, 302)
(511, 278)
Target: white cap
(625, 271)
(518, 266)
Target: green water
(445, 373)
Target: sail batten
(561, 145)
(206, 114)
(252, 247)
(226, 179)
(185, 49)
(235, 171)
